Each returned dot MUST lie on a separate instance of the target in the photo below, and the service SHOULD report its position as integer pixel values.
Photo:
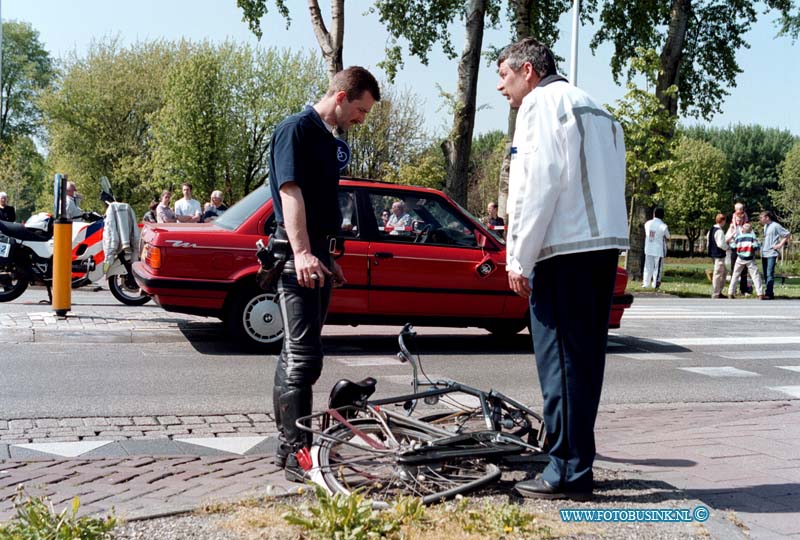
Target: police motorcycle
(102, 246)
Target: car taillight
(151, 255)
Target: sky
(766, 91)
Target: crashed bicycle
(380, 448)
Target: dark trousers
(768, 267)
(300, 362)
(570, 305)
(743, 288)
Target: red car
(433, 264)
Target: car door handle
(382, 255)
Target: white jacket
(566, 191)
(120, 232)
(655, 231)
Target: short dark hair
(529, 50)
(768, 214)
(720, 218)
(659, 213)
(186, 184)
(354, 81)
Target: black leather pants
(300, 362)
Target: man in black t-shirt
(304, 164)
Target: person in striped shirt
(746, 246)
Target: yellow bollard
(62, 267)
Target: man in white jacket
(567, 223)
(656, 233)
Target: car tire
(508, 327)
(254, 320)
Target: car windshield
(239, 212)
(479, 221)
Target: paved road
(701, 395)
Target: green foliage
(391, 137)
(486, 159)
(787, 198)
(221, 104)
(499, 521)
(648, 128)
(693, 191)
(161, 113)
(754, 154)
(27, 71)
(422, 23)
(37, 520)
(23, 175)
(426, 169)
(715, 32)
(351, 517)
(98, 116)
(254, 10)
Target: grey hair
(216, 193)
(3, 194)
(529, 50)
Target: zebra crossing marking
(723, 371)
(790, 368)
(793, 391)
(365, 361)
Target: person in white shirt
(656, 234)
(566, 224)
(187, 210)
(399, 220)
(73, 202)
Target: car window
(239, 212)
(410, 218)
(347, 205)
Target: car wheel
(254, 320)
(508, 327)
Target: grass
(686, 277)
(352, 518)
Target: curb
(135, 335)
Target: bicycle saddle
(346, 392)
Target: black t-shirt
(8, 214)
(302, 150)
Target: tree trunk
(672, 55)
(458, 145)
(330, 43)
(671, 58)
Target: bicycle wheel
(348, 463)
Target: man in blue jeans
(775, 237)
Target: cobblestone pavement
(141, 486)
(42, 430)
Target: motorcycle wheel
(13, 281)
(125, 292)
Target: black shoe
(539, 488)
(292, 470)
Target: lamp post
(573, 66)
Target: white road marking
(361, 361)
(759, 355)
(790, 368)
(234, 445)
(725, 371)
(729, 340)
(65, 449)
(649, 356)
(793, 391)
(692, 316)
(406, 379)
